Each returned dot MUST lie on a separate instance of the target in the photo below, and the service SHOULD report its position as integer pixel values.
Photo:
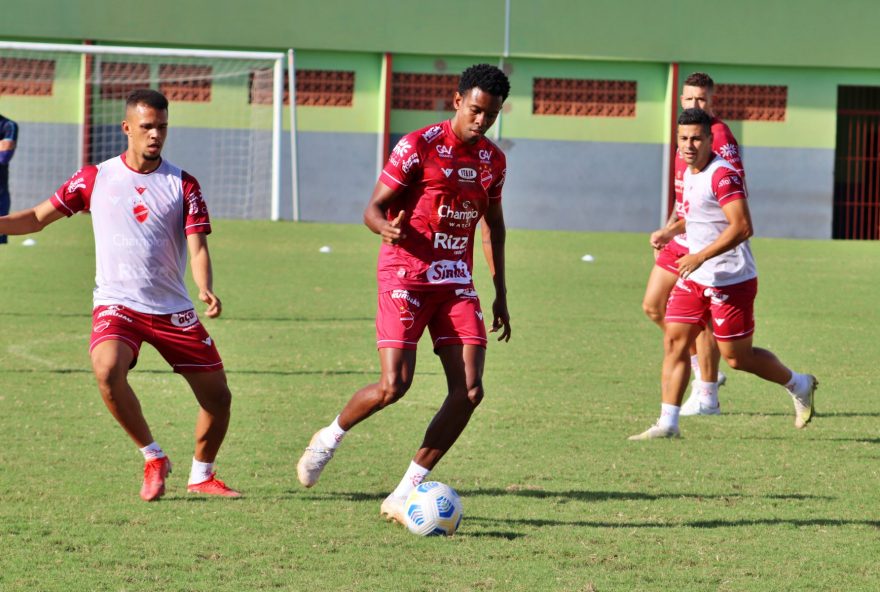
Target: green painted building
(587, 127)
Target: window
(26, 77)
(423, 92)
(180, 82)
(314, 88)
(584, 98)
(120, 79)
(750, 102)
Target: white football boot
(803, 404)
(393, 509)
(313, 461)
(655, 431)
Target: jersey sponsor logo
(449, 241)
(76, 185)
(448, 272)
(479, 314)
(466, 293)
(101, 326)
(413, 159)
(208, 341)
(402, 147)
(140, 190)
(445, 211)
(503, 178)
(405, 295)
(196, 204)
(467, 174)
(719, 321)
(184, 319)
(115, 311)
(444, 151)
(714, 296)
(485, 155)
(447, 172)
(120, 240)
(432, 133)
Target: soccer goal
(225, 119)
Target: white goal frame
(277, 95)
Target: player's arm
(375, 214)
(203, 275)
(739, 230)
(494, 236)
(7, 149)
(30, 221)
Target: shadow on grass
(539, 522)
(819, 415)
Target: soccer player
(8, 138)
(438, 183)
(146, 213)
(718, 281)
(670, 243)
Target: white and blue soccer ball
(433, 509)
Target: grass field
(555, 497)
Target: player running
(438, 183)
(718, 281)
(146, 213)
(670, 243)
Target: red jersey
(446, 186)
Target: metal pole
(294, 168)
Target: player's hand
(501, 319)
(392, 233)
(659, 239)
(215, 307)
(688, 264)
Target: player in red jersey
(717, 281)
(146, 214)
(438, 183)
(670, 243)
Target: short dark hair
(149, 97)
(700, 80)
(696, 117)
(487, 78)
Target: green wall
(802, 33)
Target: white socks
(708, 392)
(331, 436)
(668, 416)
(152, 451)
(799, 384)
(695, 367)
(200, 472)
(415, 474)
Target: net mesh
(69, 107)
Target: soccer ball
(432, 509)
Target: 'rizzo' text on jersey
(445, 187)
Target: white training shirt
(140, 223)
(705, 194)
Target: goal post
(225, 114)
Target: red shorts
(730, 309)
(669, 254)
(180, 337)
(453, 317)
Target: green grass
(555, 497)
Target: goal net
(224, 118)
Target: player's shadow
(817, 416)
(707, 524)
(598, 496)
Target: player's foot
(392, 509)
(313, 461)
(695, 405)
(722, 378)
(656, 431)
(213, 486)
(155, 471)
(803, 405)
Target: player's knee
(392, 389)
(653, 311)
(475, 395)
(108, 374)
(736, 362)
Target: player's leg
(215, 403)
(4, 210)
(401, 318)
(732, 309)
(742, 355)
(463, 366)
(660, 283)
(685, 318)
(111, 361)
(703, 399)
